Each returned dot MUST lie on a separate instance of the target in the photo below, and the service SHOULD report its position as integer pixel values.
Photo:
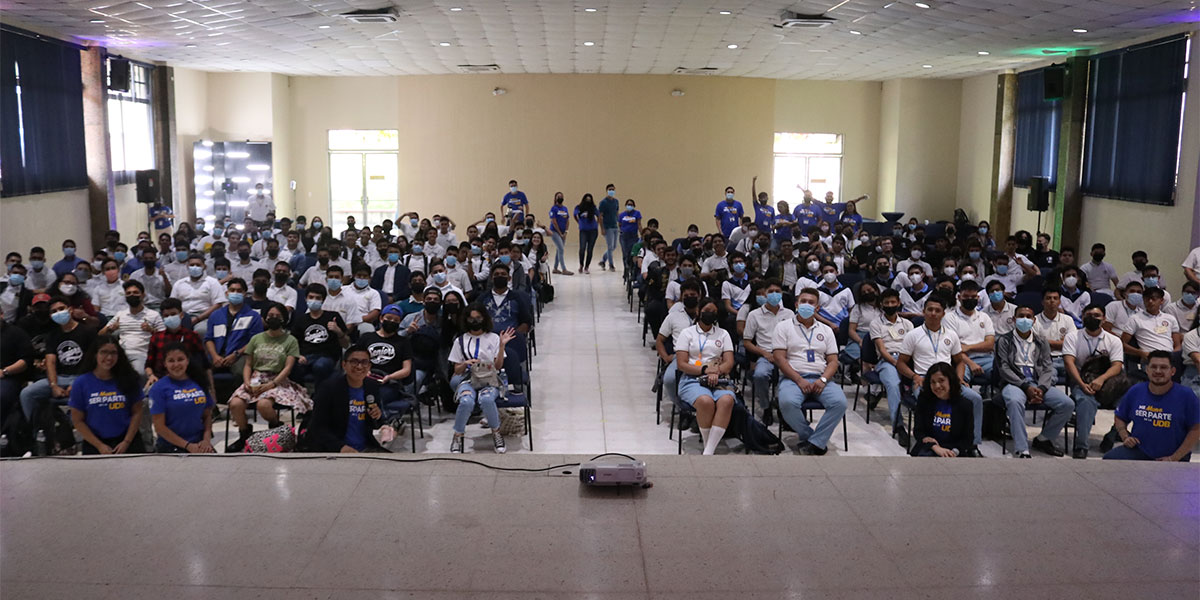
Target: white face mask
(916, 278)
(1070, 281)
(813, 265)
(968, 277)
(916, 254)
(830, 277)
(949, 271)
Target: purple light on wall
(1182, 16)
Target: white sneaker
(498, 441)
(456, 445)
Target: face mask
(973, 254)
(120, 256)
(474, 324)
(299, 226)
(133, 301)
(433, 306)
(218, 253)
(195, 271)
(879, 248)
(281, 279)
(891, 310)
(1189, 298)
(393, 257)
(1135, 298)
(16, 280)
(996, 297)
(476, 250)
(512, 188)
(806, 311)
(437, 222)
(500, 283)
(418, 249)
(916, 278)
(1002, 270)
(949, 271)
(361, 283)
(1070, 281)
(1091, 323)
(244, 254)
(505, 259)
(222, 273)
(489, 220)
(762, 300)
(439, 278)
(181, 256)
(68, 289)
(333, 284)
(983, 230)
(969, 303)
(774, 298)
(1024, 324)
(912, 226)
(829, 277)
(61, 317)
(916, 254)
(628, 208)
(685, 272)
(1099, 256)
(315, 305)
(691, 302)
(37, 264)
(1151, 282)
(217, 231)
(273, 322)
(968, 277)
(236, 298)
(708, 318)
(729, 197)
(739, 268)
(813, 265)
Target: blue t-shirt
(807, 216)
(106, 409)
(608, 209)
(629, 221)
(183, 403)
(854, 220)
(586, 219)
(516, 202)
(730, 213)
(830, 213)
(942, 414)
(784, 233)
(1160, 423)
(764, 216)
(561, 217)
(356, 426)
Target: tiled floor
(720, 527)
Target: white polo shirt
(971, 329)
(1053, 330)
(1193, 260)
(1152, 332)
(285, 295)
(677, 320)
(135, 340)
(761, 324)
(1099, 276)
(928, 348)
(198, 295)
(368, 298)
(1191, 345)
(705, 347)
(347, 304)
(1004, 319)
(806, 347)
(1082, 346)
(1118, 313)
(891, 333)
(714, 263)
(863, 315)
(1183, 314)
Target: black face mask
(244, 255)
(134, 301)
(451, 309)
(149, 264)
(323, 261)
(1098, 257)
(691, 302)
(274, 323)
(391, 326)
(281, 279)
(969, 303)
(891, 310)
(1091, 323)
(216, 253)
(474, 324)
(433, 307)
(260, 288)
(867, 298)
(708, 318)
(500, 283)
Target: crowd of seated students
(281, 322)
(800, 293)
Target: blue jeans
(559, 261)
(1085, 416)
(467, 397)
(393, 401)
(853, 350)
(831, 398)
(762, 382)
(670, 376)
(1060, 407)
(890, 378)
(628, 239)
(318, 365)
(38, 394)
(1120, 452)
(610, 243)
(985, 362)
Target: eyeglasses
(357, 362)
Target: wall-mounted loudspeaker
(118, 74)
(147, 186)
(1039, 194)
(1054, 83)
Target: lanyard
(477, 343)
(702, 341)
(1025, 348)
(932, 343)
(807, 335)
(1087, 339)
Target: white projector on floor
(612, 473)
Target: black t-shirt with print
(387, 353)
(314, 334)
(69, 347)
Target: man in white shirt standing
(260, 203)
(757, 338)
(1080, 346)
(806, 353)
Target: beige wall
(977, 135)
(927, 166)
(191, 125)
(27, 221)
(889, 145)
(131, 216)
(281, 144)
(851, 108)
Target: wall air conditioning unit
(479, 68)
(791, 20)
(371, 16)
(700, 71)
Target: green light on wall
(1054, 51)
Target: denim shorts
(690, 389)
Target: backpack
(546, 293)
(755, 436)
(279, 439)
(1109, 395)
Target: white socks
(714, 437)
(704, 434)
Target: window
(807, 161)
(1037, 130)
(364, 175)
(131, 126)
(1133, 124)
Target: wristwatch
(824, 379)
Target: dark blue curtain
(1134, 116)
(1037, 131)
(41, 135)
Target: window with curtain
(41, 115)
(1037, 130)
(1134, 118)
(131, 126)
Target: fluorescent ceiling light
(324, 27)
(444, 44)
(853, 32)
(237, 154)
(257, 167)
(1079, 30)
(456, 9)
(926, 66)
(589, 10)
(241, 179)
(589, 43)
(920, 5)
(732, 46)
(725, 12)
(984, 53)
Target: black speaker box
(147, 186)
(1054, 83)
(118, 74)
(1039, 194)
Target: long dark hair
(481, 309)
(452, 324)
(195, 368)
(927, 395)
(123, 372)
(586, 203)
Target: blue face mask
(612, 193)
(974, 255)
(505, 259)
(1189, 298)
(37, 264)
(181, 255)
(439, 278)
(299, 226)
(983, 230)
(762, 300)
(775, 298)
(222, 274)
(173, 321)
(333, 284)
(628, 208)
(757, 246)
(414, 222)
(316, 224)
(61, 317)
(1002, 270)
(236, 298)
(16, 280)
(195, 271)
(315, 305)
(69, 252)
(361, 283)
(120, 256)
(217, 231)
(996, 296)
(476, 250)
(451, 261)
(739, 268)
(1135, 298)
(1151, 282)
(806, 311)
(912, 226)
(393, 257)
(512, 189)
(418, 249)
(1024, 324)
(729, 196)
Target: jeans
(763, 369)
(669, 379)
(854, 351)
(1085, 416)
(985, 362)
(318, 365)
(890, 378)
(610, 242)
(38, 393)
(559, 261)
(393, 401)
(831, 398)
(628, 239)
(1120, 452)
(1060, 407)
(587, 243)
(467, 397)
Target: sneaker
(902, 436)
(456, 445)
(1110, 439)
(974, 453)
(873, 401)
(498, 441)
(808, 449)
(1022, 454)
(1046, 446)
(1080, 453)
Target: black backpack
(755, 436)
(545, 293)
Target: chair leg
(412, 431)
(227, 420)
(529, 426)
(671, 423)
(845, 434)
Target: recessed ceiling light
(324, 27)
(920, 5)
(444, 44)
(926, 66)
(725, 12)
(589, 10)
(97, 21)
(984, 53)
(190, 46)
(456, 9)
(853, 32)
(1079, 30)
(589, 43)
(732, 46)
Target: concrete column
(102, 207)
(1004, 155)
(1068, 199)
(162, 86)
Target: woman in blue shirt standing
(180, 406)
(631, 224)
(585, 217)
(560, 222)
(106, 401)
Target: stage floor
(710, 527)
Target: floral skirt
(288, 393)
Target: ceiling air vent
(791, 20)
(370, 16)
(700, 71)
(479, 68)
